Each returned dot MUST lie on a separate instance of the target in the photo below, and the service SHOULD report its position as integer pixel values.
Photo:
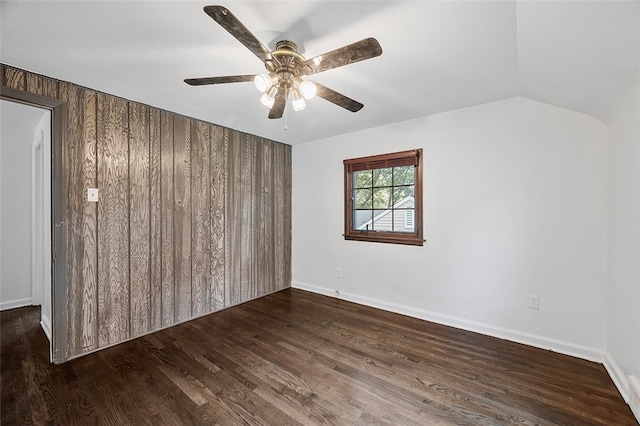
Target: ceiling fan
(285, 67)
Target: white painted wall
(16, 138)
(623, 296)
(514, 204)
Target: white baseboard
(12, 304)
(617, 376)
(629, 387)
(634, 397)
(584, 352)
(45, 323)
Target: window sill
(383, 237)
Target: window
(383, 198)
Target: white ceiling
(437, 55)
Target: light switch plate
(92, 195)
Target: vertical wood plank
(155, 201)
(266, 253)
(257, 235)
(228, 224)
(279, 214)
(286, 237)
(42, 85)
(139, 220)
(200, 217)
(82, 259)
(3, 69)
(15, 78)
(253, 238)
(246, 189)
(89, 223)
(182, 217)
(75, 241)
(167, 210)
(234, 218)
(217, 165)
(113, 220)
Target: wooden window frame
(403, 158)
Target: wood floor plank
(293, 358)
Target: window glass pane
(399, 195)
(403, 220)
(362, 198)
(381, 198)
(403, 175)
(382, 177)
(398, 222)
(362, 179)
(362, 218)
(382, 220)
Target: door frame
(58, 110)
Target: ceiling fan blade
(229, 22)
(280, 102)
(354, 52)
(218, 80)
(337, 98)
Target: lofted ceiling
(437, 55)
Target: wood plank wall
(192, 218)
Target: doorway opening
(25, 210)
(35, 179)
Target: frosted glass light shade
(298, 101)
(263, 82)
(308, 89)
(268, 98)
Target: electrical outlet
(337, 273)
(534, 302)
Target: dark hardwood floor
(298, 358)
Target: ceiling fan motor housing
(285, 62)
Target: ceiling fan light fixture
(268, 98)
(298, 101)
(285, 65)
(308, 89)
(263, 82)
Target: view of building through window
(383, 199)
